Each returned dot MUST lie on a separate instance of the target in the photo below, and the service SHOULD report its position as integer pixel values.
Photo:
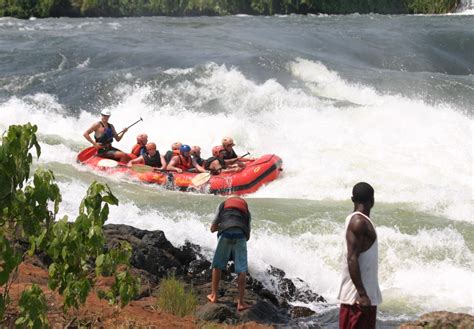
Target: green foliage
(28, 211)
(45, 8)
(32, 309)
(173, 298)
(431, 7)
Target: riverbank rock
(441, 320)
(154, 257)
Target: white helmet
(106, 112)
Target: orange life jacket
(184, 164)
(136, 149)
(236, 203)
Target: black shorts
(108, 153)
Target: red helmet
(216, 150)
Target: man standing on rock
(359, 293)
(232, 223)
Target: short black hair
(362, 192)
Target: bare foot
(243, 306)
(212, 298)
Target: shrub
(173, 298)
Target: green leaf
(99, 260)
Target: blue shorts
(236, 247)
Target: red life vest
(236, 203)
(136, 149)
(184, 163)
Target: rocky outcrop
(154, 257)
(441, 320)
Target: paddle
(131, 125)
(200, 179)
(86, 154)
(109, 163)
(144, 168)
(240, 157)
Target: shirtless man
(104, 134)
(359, 293)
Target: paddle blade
(142, 168)
(107, 163)
(86, 154)
(201, 179)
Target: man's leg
(219, 262)
(241, 305)
(216, 276)
(241, 267)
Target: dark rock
(154, 257)
(264, 311)
(215, 312)
(200, 271)
(300, 312)
(287, 291)
(441, 320)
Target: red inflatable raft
(255, 174)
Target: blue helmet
(184, 148)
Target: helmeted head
(218, 151)
(151, 148)
(363, 193)
(196, 150)
(185, 149)
(176, 146)
(227, 142)
(106, 113)
(142, 139)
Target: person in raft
(174, 151)
(140, 147)
(232, 223)
(216, 164)
(359, 293)
(230, 156)
(196, 154)
(104, 134)
(151, 158)
(183, 161)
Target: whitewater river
(341, 99)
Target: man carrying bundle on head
(232, 223)
(104, 134)
(183, 161)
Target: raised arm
(119, 136)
